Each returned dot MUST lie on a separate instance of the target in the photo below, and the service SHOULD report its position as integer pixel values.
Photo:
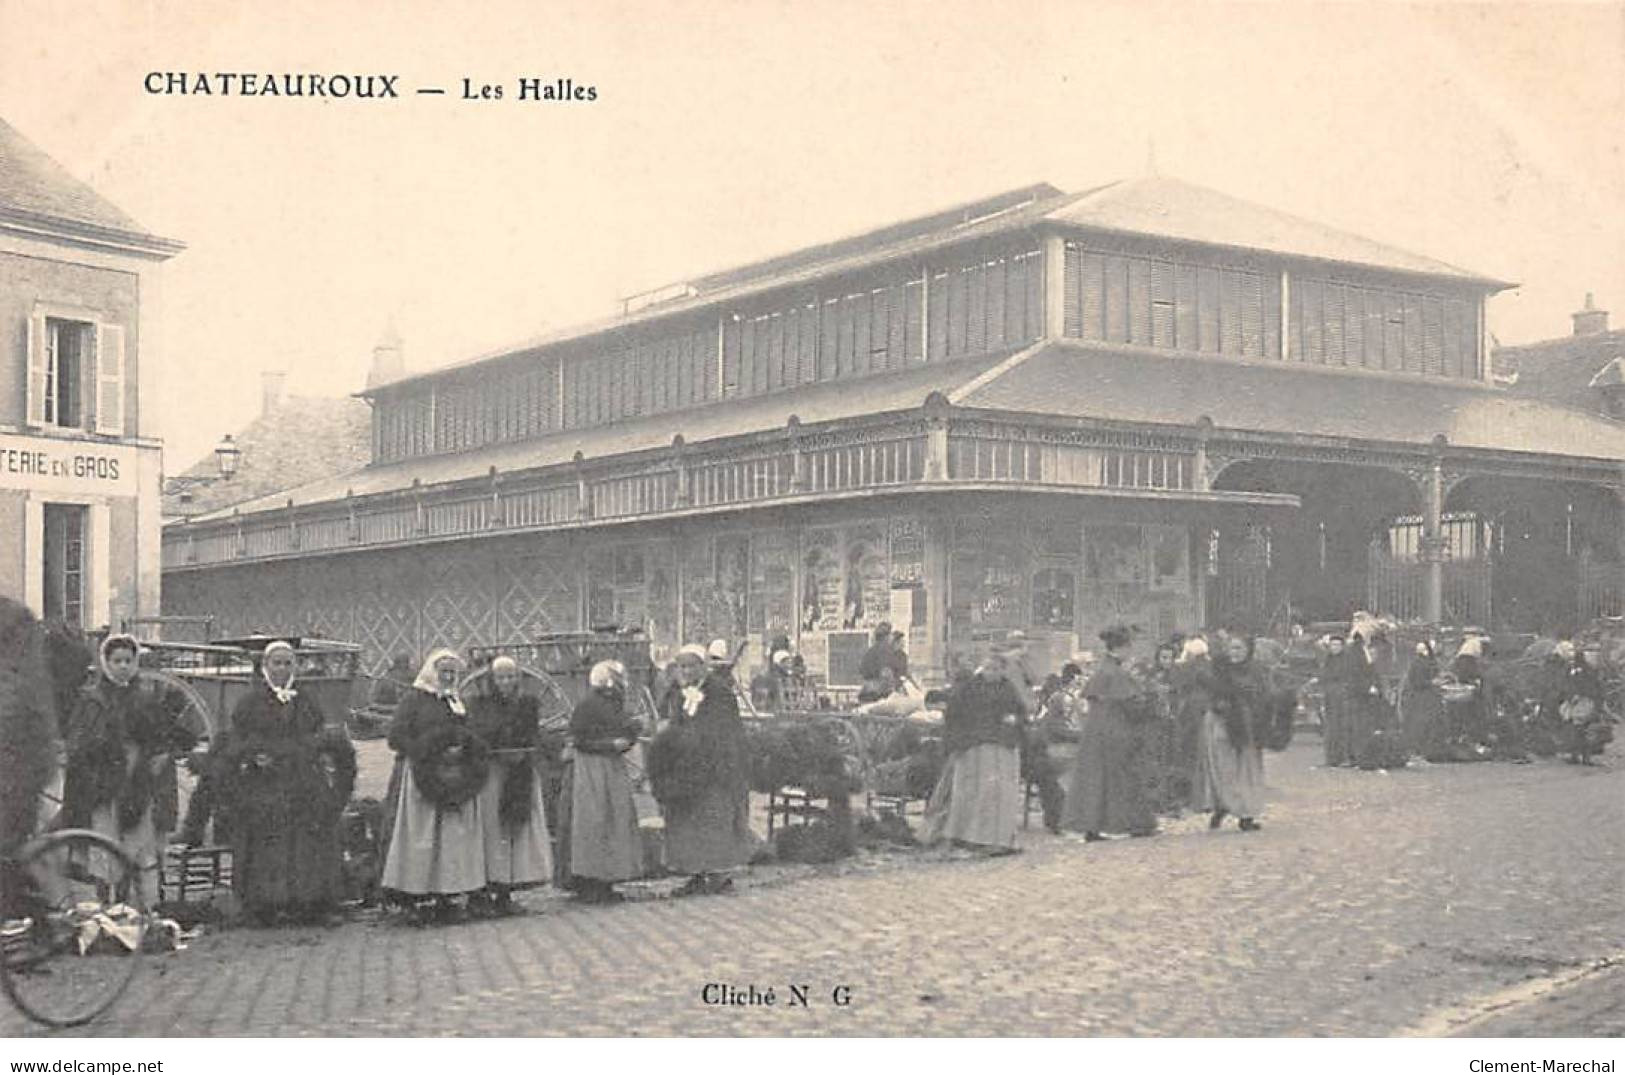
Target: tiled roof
(1560, 370)
(32, 185)
(1156, 207)
(811, 404)
(302, 440)
(1096, 382)
(1168, 208)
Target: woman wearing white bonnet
(518, 846)
(599, 840)
(437, 849)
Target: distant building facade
(1040, 412)
(80, 461)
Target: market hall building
(1146, 402)
(80, 462)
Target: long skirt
(1422, 714)
(285, 851)
(711, 833)
(1228, 779)
(978, 798)
(1107, 790)
(515, 855)
(434, 851)
(1336, 726)
(143, 844)
(598, 821)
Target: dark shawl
(599, 719)
(705, 750)
(106, 720)
(423, 729)
(509, 722)
(308, 763)
(976, 711)
(1241, 699)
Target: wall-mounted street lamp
(226, 457)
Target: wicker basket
(194, 875)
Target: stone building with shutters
(80, 462)
(1041, 411)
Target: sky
(1485, 135)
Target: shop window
(65, 563)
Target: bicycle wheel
(74, 927)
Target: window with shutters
(75, 374)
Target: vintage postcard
(740, 519)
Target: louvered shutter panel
(808, 345)
(1250, 296)
(976, 310)
(1117, 299)
(1207, 309)
(1139, 301)
(732, 348)
(1092, 297)
(1334, 325)
(1411, 305)
(913, 323)
(1033, 278)
(1186, 307)
(763, 327)
(1162, 304)
(1072, 313)
(39, 366)
(1354, 326)
(1433, 336)
(1376, 330)
(1015, 299)
(937, 331)
(1270, 312)
(861, 314)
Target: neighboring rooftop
(36, 189)
(1580, 370)
(295, 440)
(1157, 207)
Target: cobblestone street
(1432, 900)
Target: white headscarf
(1193, 649)
(283, 694)
(428, 680)
(122, 641)
(606, 674)
(1471, 646)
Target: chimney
(272, 384)
(388, 359)
(1590, 321)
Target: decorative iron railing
(756, 469)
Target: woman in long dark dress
(977, 800)
(1232, 752)
(1108, 788)
(437, 850)
(599, 840)
(284, 780)
(518, 852)
(1420, 705)
(699, 768)
(122, 742)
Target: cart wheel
(75, 924)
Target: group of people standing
(1109, 750)
(276, 780)
(483, 808)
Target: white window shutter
(39, 364)
(98, 566)
(110, 379)
(34, 555)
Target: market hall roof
(811, 404)
(37, 193)
(1283, 399)
(1155, 207)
